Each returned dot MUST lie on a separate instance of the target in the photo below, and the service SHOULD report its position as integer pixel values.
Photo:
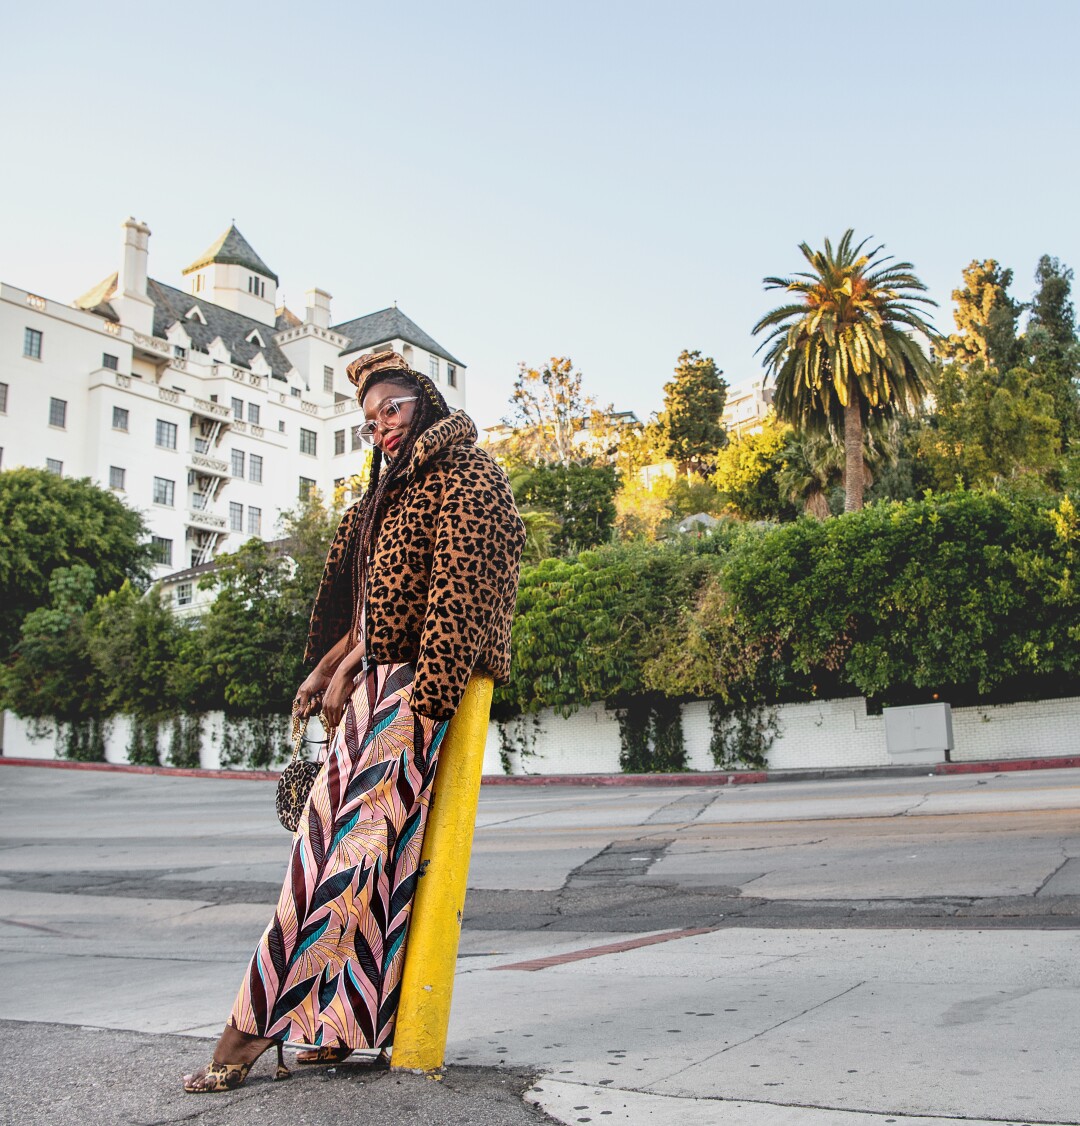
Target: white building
(745, 411)
(207, 408)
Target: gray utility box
(919, 734)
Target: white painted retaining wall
(822, 734)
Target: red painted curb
(690, 778)
(131, 768)
(1008, 764)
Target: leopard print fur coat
(442, 585)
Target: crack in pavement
(1039, 890)
(766, 1031)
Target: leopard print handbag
(296, 780)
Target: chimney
(133, 266)
(317, 312)
(135, 308)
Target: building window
(295, 392)
(3, 398)
(281, 426)
(183, 594)
(238, 463)
(198, 500)
(307, 486)
(451, 375)
(116, 477)
(256, 286)
(109, 361)
(255, 468)
(197, 283)
(238, 409)
(58, 413)
(119, 418)
(253, 414)
(433, 367)
(339, 483)
(165, 435)
(307, 441)
(339, 441)
(54, 466)
(236, 517)
(327, 379)
(161, 550)
(179, 352)
(254, 521)
(32, 344)
(164, 491)
(356, 440)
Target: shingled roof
(385, 325)
(172, 305)
(232, 249)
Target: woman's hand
(311, 693)
(337, 696)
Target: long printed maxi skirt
(328, 969)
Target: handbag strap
(299, 730)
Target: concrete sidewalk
(758, 1028)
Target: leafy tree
(52, 674)
(548, 407)
(988, 427)
(247, 656)
(690, 426)
(643, 512)
(747, 473)
(1051, 344)
(812, 465)
(250, 657)
(579, 497)
(986, 318)
(540, 531)
(134, 642)
(46, 522)
(843, 350)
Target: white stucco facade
(203, 406)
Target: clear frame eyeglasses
(386, 419)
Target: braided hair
(430, 407)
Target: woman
(418, 591)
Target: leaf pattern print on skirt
(327, 971)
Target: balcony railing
(206, 520)
(211, 410)
(152, 344)
(209, 465)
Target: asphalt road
(129, 905)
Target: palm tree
(845, 350)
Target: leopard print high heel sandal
(228, 1076)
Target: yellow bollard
(427, 983)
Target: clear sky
(605, 180)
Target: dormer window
(256, 286)
(253, 337)
(195, 314)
